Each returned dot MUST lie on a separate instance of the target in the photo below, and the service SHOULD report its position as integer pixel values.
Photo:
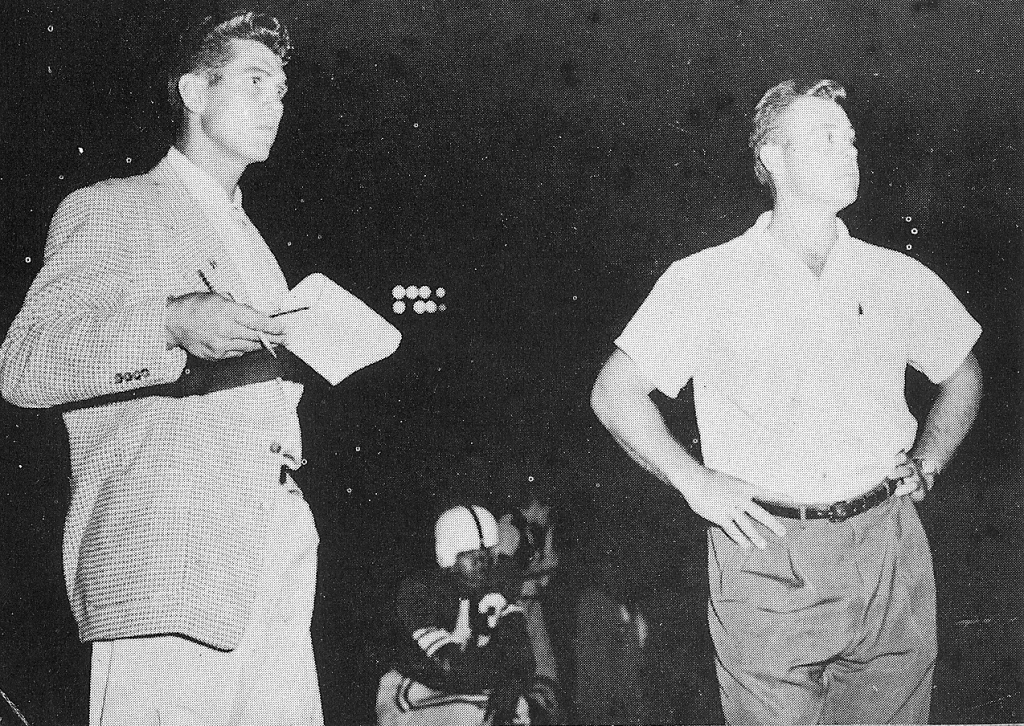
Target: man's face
(472, 569)
(819, 161)
(240, 110)
(538, 514)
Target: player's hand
(913, 479)
(503, 703)
(728, 502)
(213, 328)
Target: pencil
(228, 296)
(289, 312)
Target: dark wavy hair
(206, 48)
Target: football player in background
(464, 658)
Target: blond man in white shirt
(797, 338)
(189, 553)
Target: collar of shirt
(247, 252)
(762, 242)
(202, 187)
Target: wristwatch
(927, 467)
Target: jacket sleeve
(93, 321)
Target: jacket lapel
(195, 258)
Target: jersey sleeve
(419, 612)
(664, 336)
(452, 654)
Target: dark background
(544, 161)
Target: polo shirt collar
(202, 187)
(762, 241)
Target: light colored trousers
(835, 623)
(268, 680)
(402, 701)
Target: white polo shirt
(799, 380)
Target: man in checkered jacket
(190, 555)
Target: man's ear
(192, 87)
(771, 157)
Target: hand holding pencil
(212, 327)
(227, 295)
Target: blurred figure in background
(465, 657)
(642, 650)
(526, 544)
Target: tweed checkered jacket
(166, 525)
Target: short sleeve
(942, 332)
(664, 336)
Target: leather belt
(837, 512)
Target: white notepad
(339, 334)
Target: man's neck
(221, 170)
(810, 232)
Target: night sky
(544, 161)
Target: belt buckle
(840, 512)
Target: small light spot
(319, 237)
(81, 150)
(49, 69)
